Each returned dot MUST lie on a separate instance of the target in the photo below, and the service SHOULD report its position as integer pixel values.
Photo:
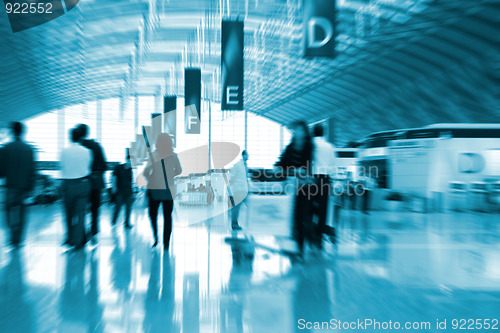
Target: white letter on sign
(192, 121)
(232, 92)
(322, 23)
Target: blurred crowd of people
(309, 157)
(82, 167)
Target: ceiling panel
(411, 48)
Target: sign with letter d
(319, 28)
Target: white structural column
(60, 129)
(98, 115)
(209, 134)
(282, 134)
(246, 130)
(331, 130)
(136, 114)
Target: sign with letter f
(319, 28)
(192, 100)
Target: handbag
(160, 194)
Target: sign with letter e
(319, 28)
(232, 65)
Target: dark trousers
(168, 207)
(351, 194)
(235, 210)
(76, 194)
(15, 210)
(120, 201)
(95, 204)
(319, 197)
(366, 200)
(302, 218)
(336, 214)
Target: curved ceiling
(400, 63)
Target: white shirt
(239, 178)
(76, 161)
(323, 157)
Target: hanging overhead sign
(192, 100)
(156, 123)
(170, 117)
(319, 28)
(232, 65)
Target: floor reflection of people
(352, 219)
(17, 314)
(365, 228)
(73, 301)
(232, 304)
(311, 299)
(95, 322)
(121, 260)
(159, 309)
(167, 299)
(359, 227)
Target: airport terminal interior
(398, 101)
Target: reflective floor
(388, 266)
